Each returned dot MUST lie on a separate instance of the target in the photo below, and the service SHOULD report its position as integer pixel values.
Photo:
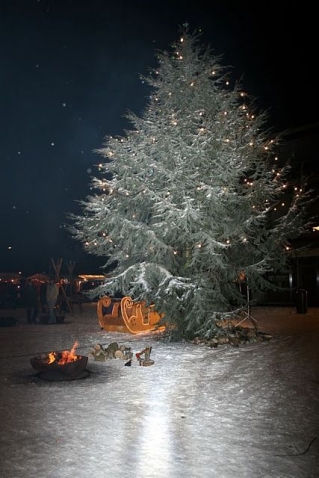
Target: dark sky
(70, 71)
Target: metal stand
(247, 315)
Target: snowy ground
(247, 412)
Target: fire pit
(62, 365)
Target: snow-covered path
(247, 412)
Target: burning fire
(64, 357)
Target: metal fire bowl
(69, 369)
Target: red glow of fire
(64, 357)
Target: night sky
(70, 70)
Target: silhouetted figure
(52, 297)
(62, 304)
(78, 299)
(31, 302)
(43, 298)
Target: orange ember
(64, 357)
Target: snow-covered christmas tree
(186, 202)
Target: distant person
(43, 297)
(78, 299)
(51, 298)
(31, 302)
(62, 302)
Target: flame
(76, 344)
(51, 357)
(64, 357)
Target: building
(301, 147)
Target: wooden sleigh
(128, 316)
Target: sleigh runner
(128, 316)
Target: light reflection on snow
(154, 444)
